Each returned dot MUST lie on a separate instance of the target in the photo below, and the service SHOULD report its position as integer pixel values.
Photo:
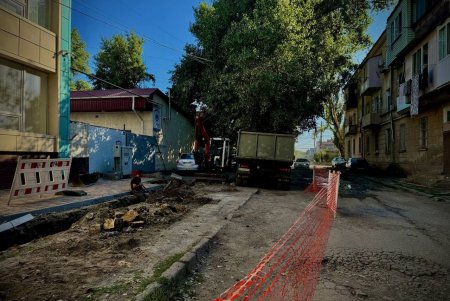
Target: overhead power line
(126, 29)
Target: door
(447, 152)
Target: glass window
(423, 132)
(39, 12)
(448, 39)
(15, 6)
(388, 141)
(367, 145)
(35, 102)
(402, 137)
(24, 105)
(425, 55)
(10, 95)
(448, 116)
(442, 43)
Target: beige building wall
(138, 123)
(36, 47)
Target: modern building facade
(34, 81)
(398, 103)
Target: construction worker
(137, 188)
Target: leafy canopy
(274, 61)
(79, 59)
(119, 61)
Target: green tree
(79, 60)
(119, 61)
(274, 62)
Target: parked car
(357, 163)
(300, 163)
(338, 162)
(187, 162)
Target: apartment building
(398, 102)
(34, 80)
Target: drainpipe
(391, 117)
(133, 108)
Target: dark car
(357, 163)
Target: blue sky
(165, 28)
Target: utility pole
(320, 141)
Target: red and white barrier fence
(39, 176)
(290, 270)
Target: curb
(410, 190)
(178, 270)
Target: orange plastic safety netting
(320, 180)
(291, 268)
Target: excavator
(210, 153)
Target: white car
(187, 162)
(300, 163)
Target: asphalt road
(385, 244)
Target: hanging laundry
(415, 95)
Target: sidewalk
(102, 191)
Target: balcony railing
(371, 119)
(372, 82)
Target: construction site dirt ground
(385, 244)
(86, 262)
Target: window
(349, 153)
(448, 39)
(421, 6)
(37, 11)
(448, 116)
(354, 146)
(388, 102)
(425, 55)
(444, 41)
(392, 33)
(417, 62)
(376, 143)
(367, 145)
(402, 137)
(24, 105)
(398, 25)
(388, 141)
(14, 6)
(423, 132)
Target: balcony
(403, 105)
(373, 82)
(350, 129)
(371, 120)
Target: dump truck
(264, 156)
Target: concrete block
(148, 290)
(202, 248)
(190, 260)
(176, 272)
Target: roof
(114, 100)
(113, 93)
(117, 100)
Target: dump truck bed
(265, 146)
